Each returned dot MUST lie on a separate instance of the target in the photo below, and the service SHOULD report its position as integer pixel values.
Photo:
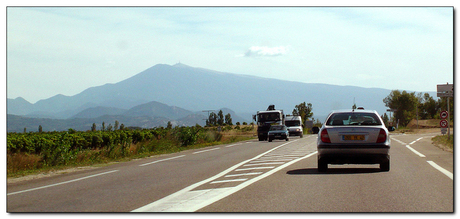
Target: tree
(220, 118)
(228, 119)
(303, 110)
(405, 105)
(103, 126)
(116, 125)
(212, 120)
(40, 129)
(93, 128)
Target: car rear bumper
(362, 154)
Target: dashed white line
(446, 172)
(233, 145)
(206, 150)
(161, 160)
(61, 183)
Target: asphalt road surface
(252, 176)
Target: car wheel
(287, 139)
(322, 165)
(385, 166)
(270, 140)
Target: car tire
(322, 165)
(385, 166)
(270, 140)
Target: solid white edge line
(61, 183)
(442, 170)
(416, 152)
(161, 160)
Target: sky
(65, 50)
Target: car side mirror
(391, 128)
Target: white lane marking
(244, 174)
(61, 183)
(398, 141)
(260, 164)
(277, 160)
(186, 200)
(254, 168)
(446, 172)
(416, 152)
(229, 180)
(190, 201)
(161, 160)
(206, 150)
(415, 141)
(233, 145)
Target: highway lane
(411, 185)
(249, 177)
(126, 186)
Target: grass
(444, 141)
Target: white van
(295, 125)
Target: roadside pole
(446, 90)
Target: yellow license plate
(353, 137)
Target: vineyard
(29, 152)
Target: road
(252, 176)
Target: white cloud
(266, 51)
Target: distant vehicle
(353, 137)
(278, 132)
(265, 119)
(295, 125)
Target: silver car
(353, 137)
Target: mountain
(190, 90)
(98, 111)
(156, 109)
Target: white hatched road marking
(187, 200)
(229, 180)
(260, 164)
(244, 174)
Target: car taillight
(382, 136)
(325, 136)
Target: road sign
(444, 114)
(443, 131)
(445, 90)
(443, 123)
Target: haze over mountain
(177, 91)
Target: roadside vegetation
(37, 152)
(444, 142)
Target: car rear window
(353, 118)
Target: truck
(295, 125)
(265, 119)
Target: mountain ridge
(196, 89)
